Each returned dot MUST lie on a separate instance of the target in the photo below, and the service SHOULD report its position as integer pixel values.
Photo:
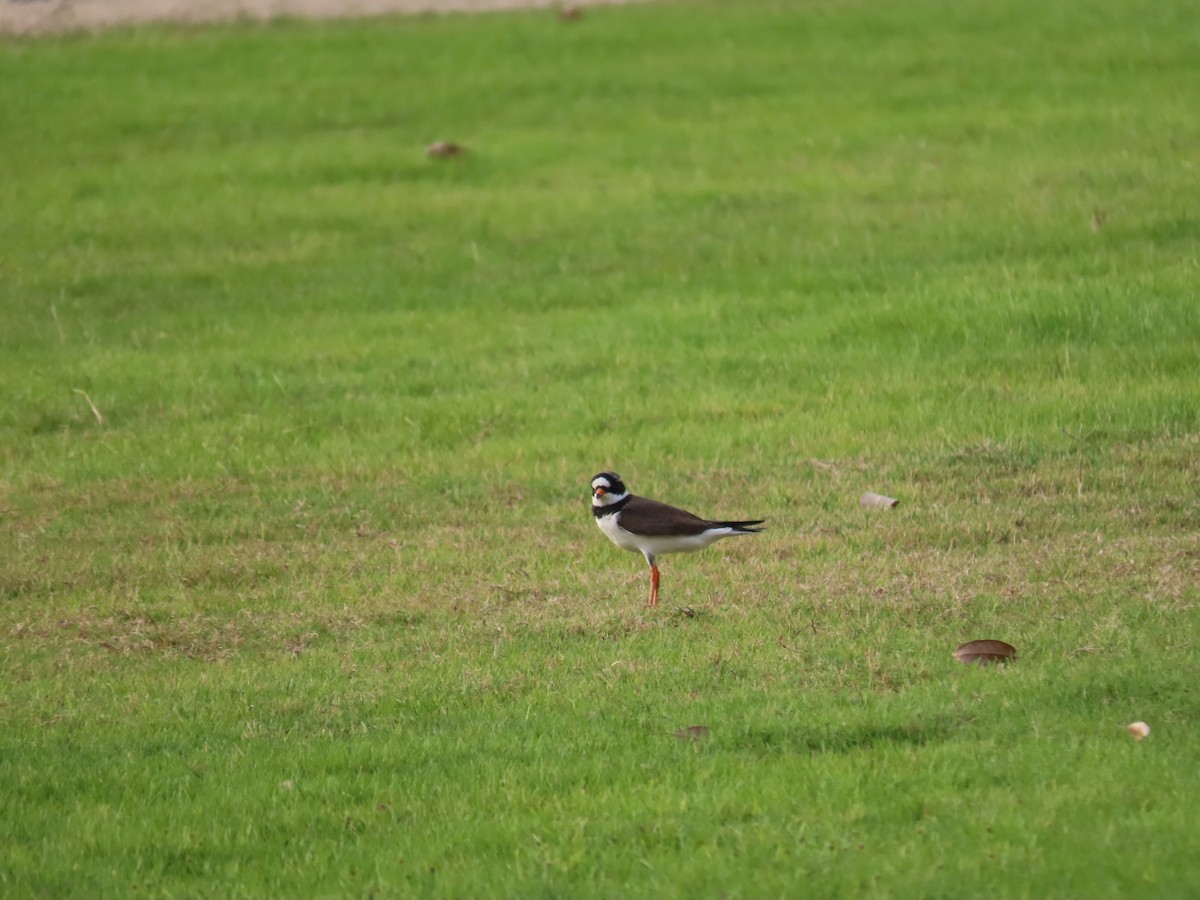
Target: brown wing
(654, 519)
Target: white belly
(658, 544)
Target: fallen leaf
(870, 500)
(1139, 730)
(444, 149)
(983, 653)
(692, 733)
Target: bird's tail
(746, 527)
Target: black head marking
(615, 484)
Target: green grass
(299, 595)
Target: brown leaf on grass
(1139, 730)
(985, 652)
(695, 733)
(1099, 217)
(870, 500)
(570, 13)
(444, 149)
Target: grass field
(299, 593)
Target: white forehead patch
(600, 482)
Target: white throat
(608, 499)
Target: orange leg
(653, 584)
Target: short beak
(600, 492)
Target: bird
(651, 528)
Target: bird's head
(607, 489)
